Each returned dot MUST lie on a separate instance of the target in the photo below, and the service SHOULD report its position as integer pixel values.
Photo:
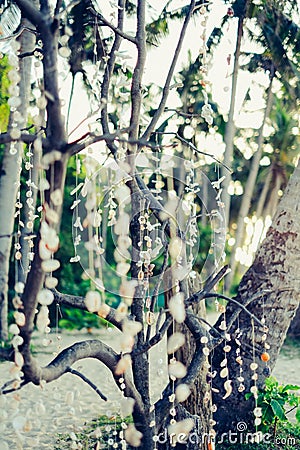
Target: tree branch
(116, 30)
(232, 300)
(210, 283)
(108, 313)
(155, 339)
(166, 88)
(31, 13)
(91, 138)
(89, 382)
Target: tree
(154, 231)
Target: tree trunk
(275, 275)
(263, 195)
(294, 330)
(230, 126)
(249, 189)
(9, 182)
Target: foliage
(287, 437)
(95, 432)
(276, 401)
(76, 319)
(4, 85)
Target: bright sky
(159, 59)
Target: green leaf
(290, 387)
(298, 414)
(278, 410)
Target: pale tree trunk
(9, 182)
(263, 195)
(294, 330)
(274, 275)
(230, 126)
(249, 189)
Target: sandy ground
(65, 404)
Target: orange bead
(265, 357)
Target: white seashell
(131, 327)
(50, 265)
(182, 427)
(223, 325)
(253, 366)
(182, 392)
(45, 297)
(51, 282)
(52, 216)
(175, 247)
(175, 341)
(257, 412)
(228, 388)
(74, 259)
(19, 318)
(177, 370)
(133, 436)
(126, 404)
(14, 329)
(224, 372)
(176, 306)
(127, 289)
(42, 320)
(122, 225)
(56, 197)
(123, 364)
(17, 341)
(224, 362)
(92, 301)
(43, 251)
(127, 342)
(122, 268)
(77, 224)
(19, 360)
(19, 287)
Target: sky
(158, 61)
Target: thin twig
(155, 339)
(193, 147)
(86, 380)
(166, 88)
(116, 30)
(232, 300)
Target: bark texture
(275, 275)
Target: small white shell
(176, 307)
(224, 372)
(182, 392)
(50, 265)
(175, 341)
(45, 297)
(92, 301)
(177, 370)
(228, 388)
(51, 282)
(133, 436)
